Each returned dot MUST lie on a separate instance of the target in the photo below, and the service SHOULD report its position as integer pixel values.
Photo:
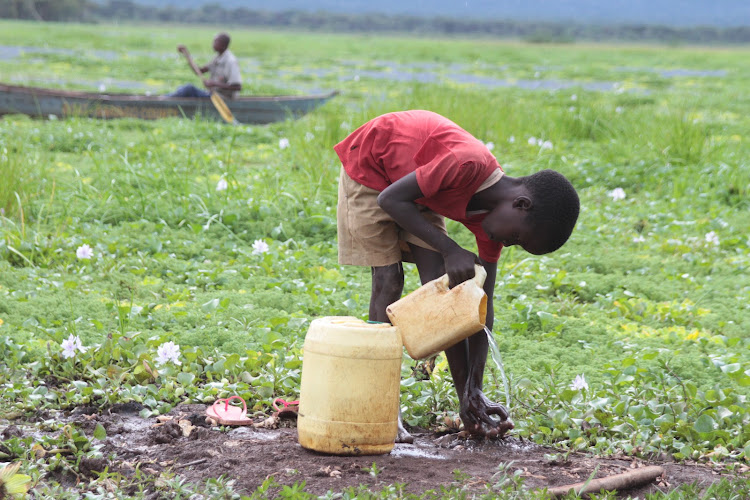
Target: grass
(649, 298)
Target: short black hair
(554, 207)
(224, 39)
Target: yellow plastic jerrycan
(435, 317)
(349, 394)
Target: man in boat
(401, 174)
(224, 69)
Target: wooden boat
(40, 102)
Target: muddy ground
(182, 443)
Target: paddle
(216, 99)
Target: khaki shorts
(368, 236)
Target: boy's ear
(522, 202)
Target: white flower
(222, 185)
(579, 383)
(346, 125)
(309, 136)
(532, 141)
(572, 109)
(511, 139)
(712, 238)
(168, 352)
(546, 144)
(639, 239)
(71, 345)
(84, 252)
(617, 194)
(490, 145)
(574, 97)
(619, 110)
(283, 143)
(102, 87)
(356, 78)
(260, 246)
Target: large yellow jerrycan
(349, 394)
(435, 317)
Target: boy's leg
(387, 286)
(189, 90)
(431, 266)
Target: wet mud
(185, 444)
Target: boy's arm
(398, 200)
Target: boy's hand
(459, 264)
(475, 414)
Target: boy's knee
(388, 279)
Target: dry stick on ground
(624, 481)
(194, 462)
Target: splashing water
(495, 353)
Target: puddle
(669, 73)
(397, 75)
(100, 85)
(675, 72)
(412, 451)
(349, 70)
(10, 52)
(248, 433)
(518, 445)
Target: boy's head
(221, 42)
(540, 215)
(554, 210)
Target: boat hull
(39, 102)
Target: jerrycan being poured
(435, 317)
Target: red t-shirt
(450, 164)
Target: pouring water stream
(495, 353)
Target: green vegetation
(649, 300)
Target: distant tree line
(127, 10)
(44, 10)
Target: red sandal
(227, 414)
(289, 409)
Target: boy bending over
(402, 173)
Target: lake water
(478, 74)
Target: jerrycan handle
(480, 274)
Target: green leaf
(265, 391)
(211, 305)
(100, 432)
(185, 378)
(704, 424)
(734, 367)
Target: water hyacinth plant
(215, 246)
(71, 346)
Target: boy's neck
(487, 199)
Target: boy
(224, 69)
(402, 172)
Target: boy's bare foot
(403, 435)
